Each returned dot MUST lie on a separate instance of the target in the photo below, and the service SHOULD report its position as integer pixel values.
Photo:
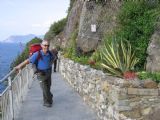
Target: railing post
(11, 97)
(27, 69)
(20, 82)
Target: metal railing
(16, 87)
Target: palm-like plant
(118, 57)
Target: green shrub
(96, 55)
(118, 57)
(148, 75)
(137, 22)
(55, 29)
(82, 60)
(71, 50)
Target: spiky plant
(118, 57)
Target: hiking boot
(47, 105)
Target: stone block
(146, 111)
(124, 108)
(136, 91)
(150, 84)
(123, 102)
(134, 113)
(105, 86)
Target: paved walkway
(68, 105)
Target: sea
(8, 53)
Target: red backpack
(34, 48)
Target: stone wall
(112, 98)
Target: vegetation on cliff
(55, 29)
(137, 23)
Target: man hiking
(55, 52)
(43, 60)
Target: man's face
(45, 46)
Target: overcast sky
(21, 17)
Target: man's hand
(17, 68)
(21, 65)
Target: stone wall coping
(141, 91)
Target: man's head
(45, 45)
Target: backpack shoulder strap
(50, 53)
(39, 55)
(38, 58)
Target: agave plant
(118, 57)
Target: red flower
(129, 75)
(91, 62)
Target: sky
(22, 17)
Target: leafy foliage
(71, 50)
(55, 29)
(137, 20)
(118, 57)
(145, 75)
(96, 55)
(24, 55)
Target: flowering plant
(129, 75)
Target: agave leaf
(106, 56)
(118, 58)
(113, 71)
(124, 56)
(109, 57)
(114, 55)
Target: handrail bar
(7, 87)
(6, 76)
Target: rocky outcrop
(73, 21)
(95, 21)
(153, 59)
(83, 15)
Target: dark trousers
(55, 65)
(45, 83)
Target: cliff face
(153, 64)
(95, 21)
(92, 21)
(72, 22)
(73, 19)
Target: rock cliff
(92, 21)
(153, 59)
